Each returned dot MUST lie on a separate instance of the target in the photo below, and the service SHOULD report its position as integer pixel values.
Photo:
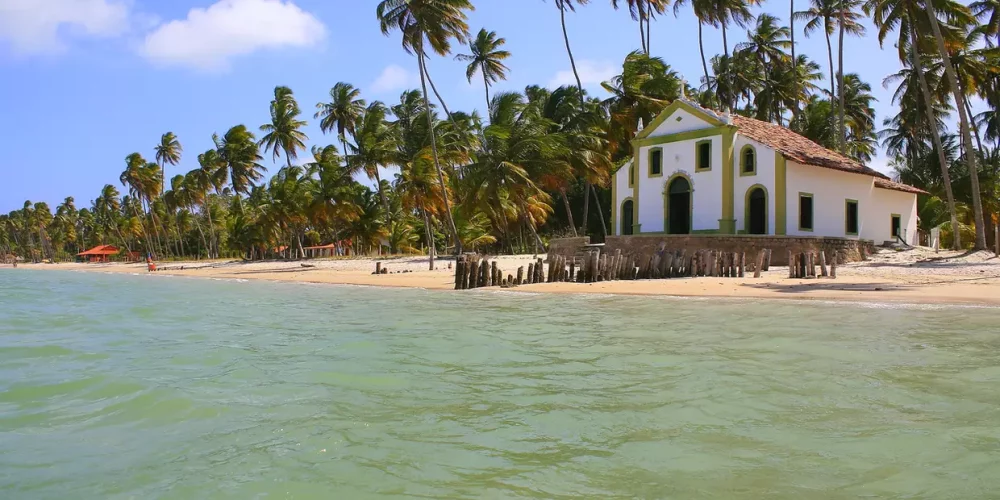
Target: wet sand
(915, 276)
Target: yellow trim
(614, 202)
(746, 208)
(857, 210)
(743, 158)
(635, 190)
(780, 198)
(669, 110)
(727, 225)
(631, 174)
(812, 215)
(697, 156)
(679, 136)
(621, 214)
(894, 216)
(666, 202)
(649, 163)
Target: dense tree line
(539, 164)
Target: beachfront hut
(100, 253)
(337, 249)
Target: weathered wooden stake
(767, 259)
(759, 265)
(743, 264)
(520, 276)
(791, 265)
(474, 273)
(822, 263)
(459, 270)
(572, 269)
(833, 265)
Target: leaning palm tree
(374, 148)
(888, 15)
(848, 17)
(342, 112)
(487, 58)
(959, 14)
(239, 152)
(821, 14)
(643, 11)
(428, 24)
(704, 12)
(284, 130)
(168, 151)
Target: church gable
(680, 116)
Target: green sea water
(142, 387)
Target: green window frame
(812, 212)
(655, 167)
(893, 218)
(848, 206)
(631, 174)
(703, 162)
(745, 152)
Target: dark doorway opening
(628, 217)
(679, 206)
(757, 214)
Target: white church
(697, 171)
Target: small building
(695, 170)
(337, 249)
(100, 253)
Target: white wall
(680, 157)
(886, 203)
(680, 121)
(764, 176)
(622, 191)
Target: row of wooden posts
(473, 271)
(803, 265)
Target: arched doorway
(678, 206)
(628, 217)
(756, 221)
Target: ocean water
(116, 386)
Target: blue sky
(86, 82)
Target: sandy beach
(913, 276)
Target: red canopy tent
(100, 253)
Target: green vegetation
(495, 183)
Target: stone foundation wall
(847, 249)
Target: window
(748, 160)
(805, 212)
(897, 224)
(851, 217)
(703, 150)
(656, 162)
(631, 174)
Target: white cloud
(591, 73)
(209, 38)
(37, 26)
(392, 78)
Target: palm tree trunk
(437, 163)
(212, 249)
(539, 246)
(833, 80)
(649, 20)
(725, 41)
(970, 154)
(486, 83)
(569, 210)
(600, 213)
(935, 136)
(642, 37)
(701, 47)
(208, 249)
(428, 236)
(795, 64)
(579, 86)
(840, 57)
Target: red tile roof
(897, 186)
(797, 148)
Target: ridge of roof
(897, 186)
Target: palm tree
(168, 151)
(374, 148)
(645, 86)
(487, 58)
(435, 22)
(643, 11)
(887, 16)
(283, 131)
(957, 12)
(989, 9)
(342, 112)
(239, 152)
(704, 12)
(860, 117)
(821, 14)
(848, 16)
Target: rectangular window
(655, 162)
(851, 217)
(897, 224)
(631, 174)
(704, 152)
(805, 212)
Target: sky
(86, 82)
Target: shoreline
(940, 282)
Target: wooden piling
(459, 270)
(791, 265)
(833, 265)
(822, 263)
(520, 276)
(767, 259)
(759, 265)
(378, 268)
(743, 264)
(474, 273)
